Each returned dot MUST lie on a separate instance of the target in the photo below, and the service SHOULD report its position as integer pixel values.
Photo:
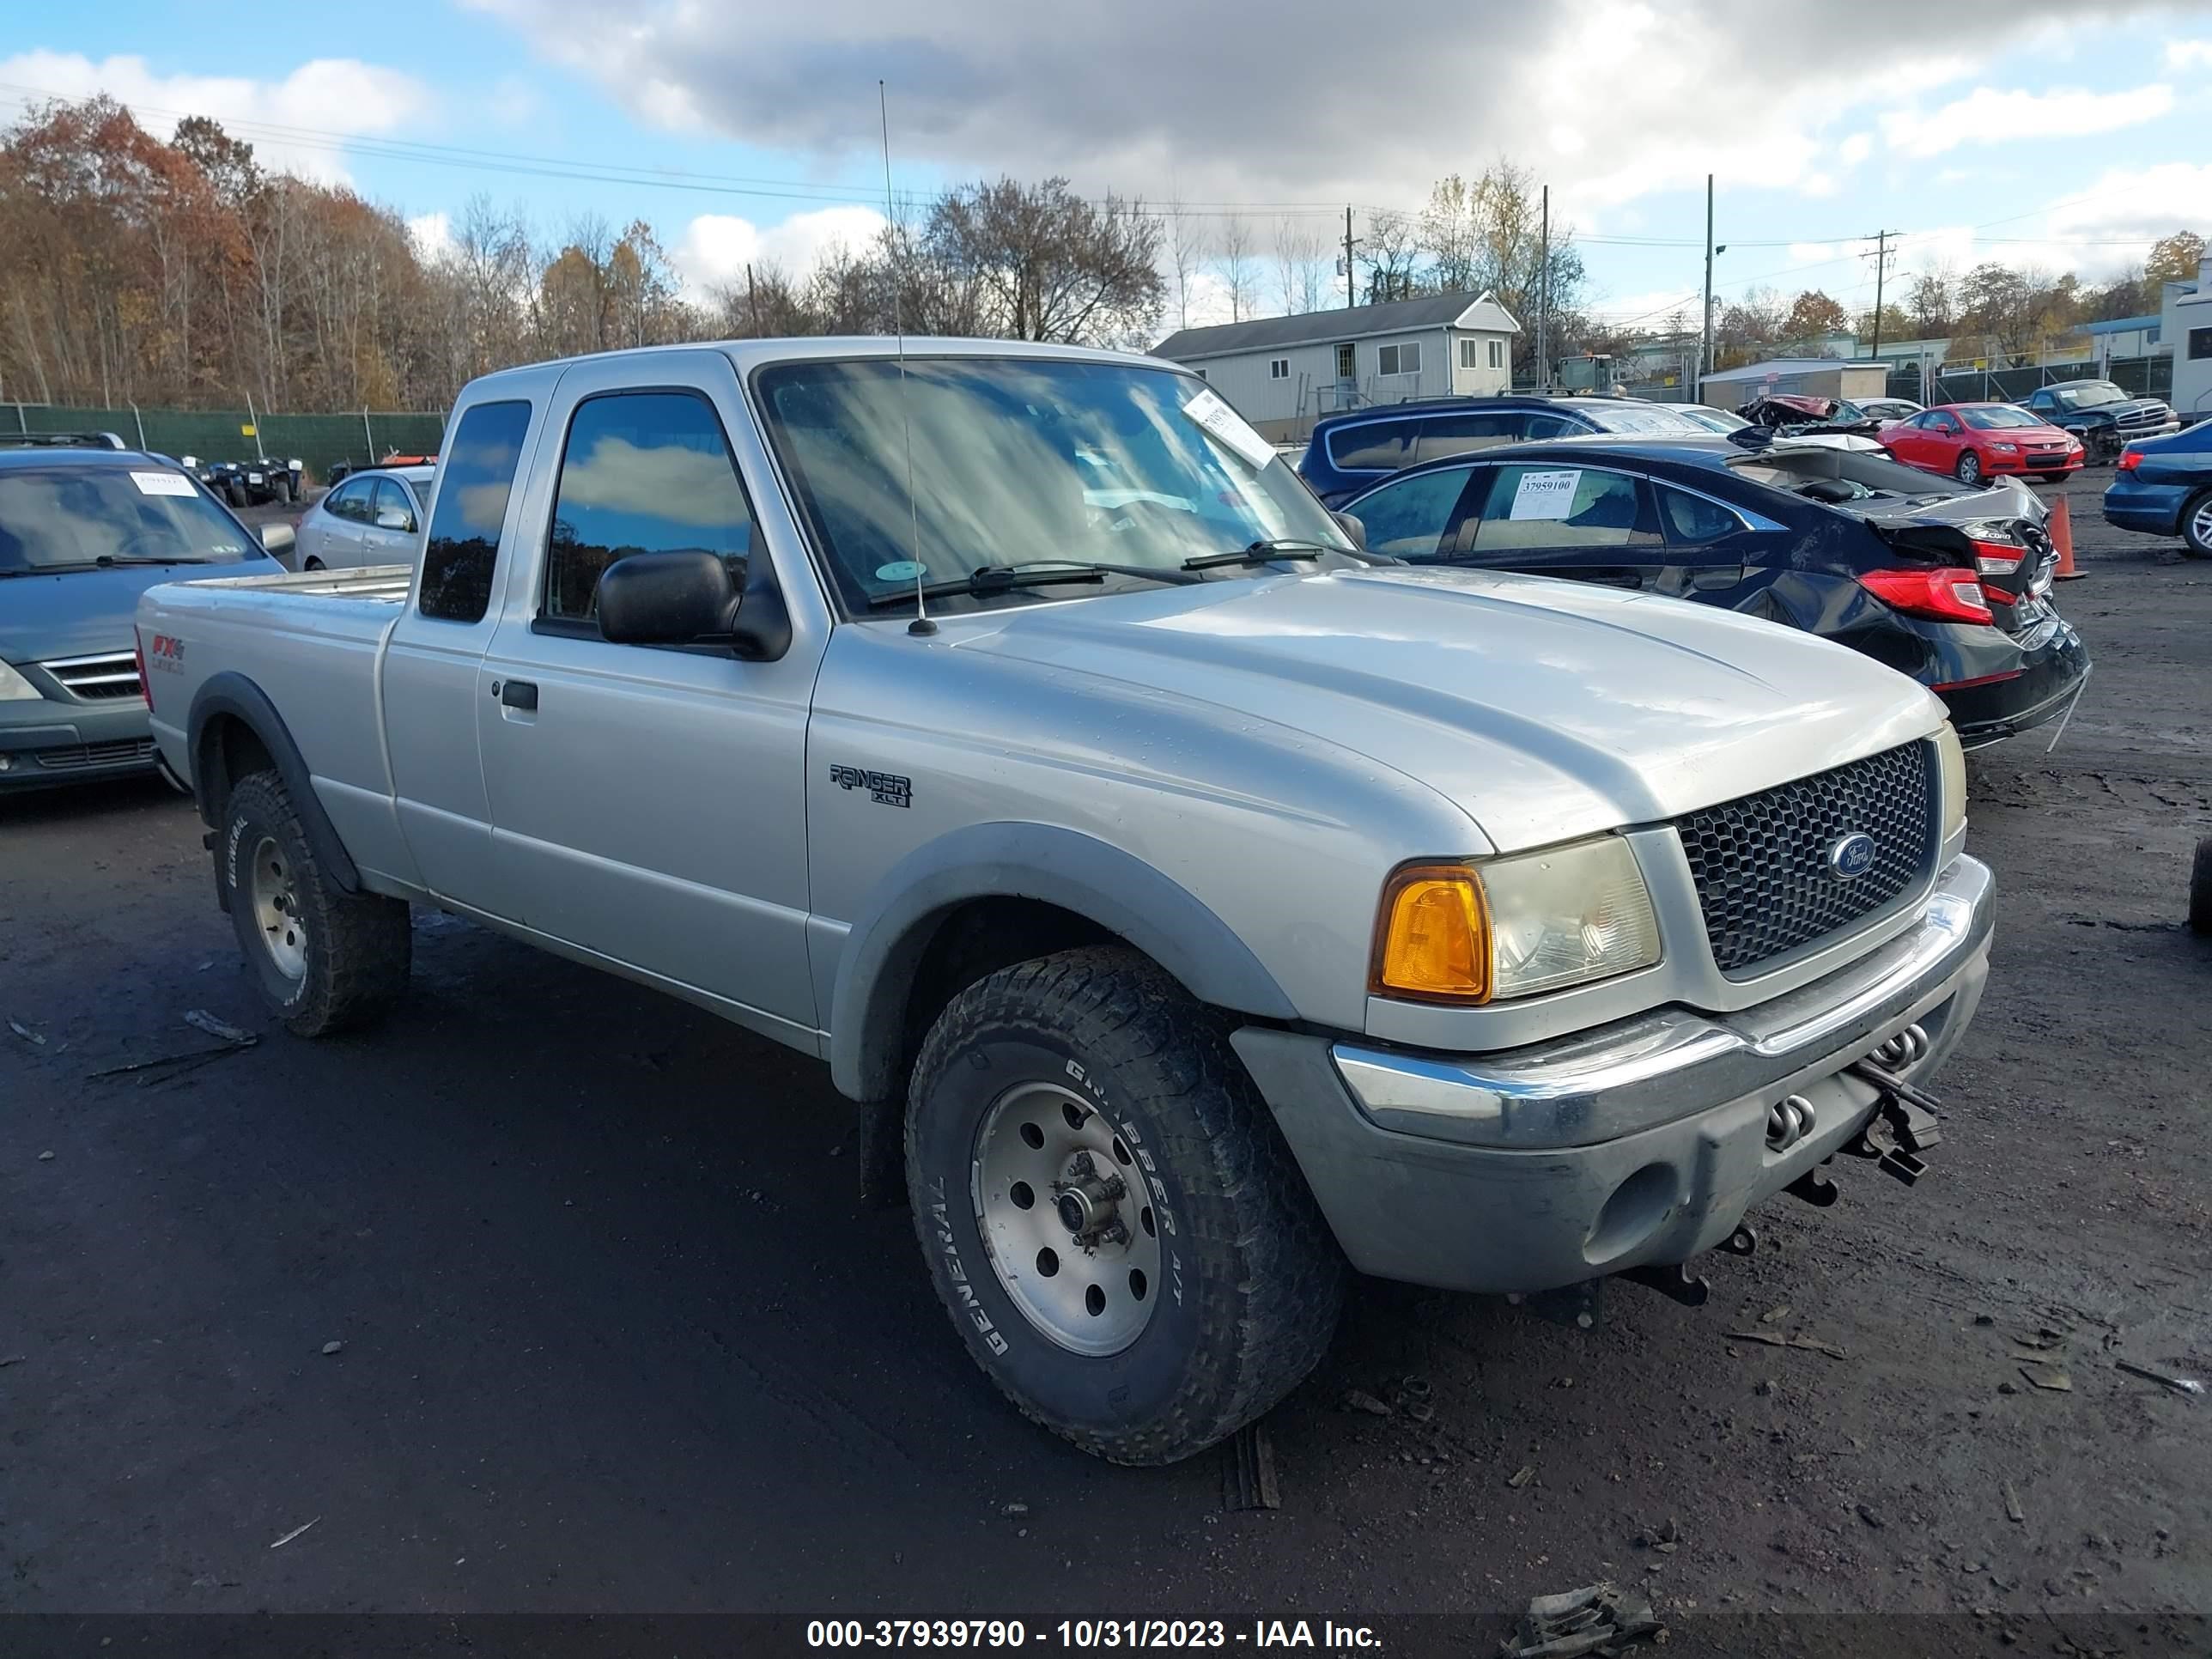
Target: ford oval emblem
(1851, 857)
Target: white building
(2185, 328)
(1810, 377)
(1282, 373)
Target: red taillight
(2131, 460)
(1946, 595)
(138, 651)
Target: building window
(1497, 354)
(1278, 369)
(1467, 354)
(2200, 344)
(1399, 359)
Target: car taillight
(2131, 460)
(138, 653)
(1944, 595)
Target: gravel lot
(613, 1334)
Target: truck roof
(748, 354)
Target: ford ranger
(1199, 906)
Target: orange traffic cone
(2062, 534)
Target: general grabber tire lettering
(1170, 1313)
(326, 960)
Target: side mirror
(1354, 528)
(276, 538)
(394, 517)
(667, 599)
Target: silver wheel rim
(1070, 1229)
(1969, 469)
(276, 902)
(2200, 526)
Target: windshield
(65, 518)
(1998, 416)
(1637, 418)
(2089, 396)
(1016, 460)
(1714, 420)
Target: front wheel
(2196, 524)
(1122, 1237)
(326, 959)
(1968, 471)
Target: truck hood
(79, 613)
(1543, 709)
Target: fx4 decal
(884, 788)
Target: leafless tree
(1188, 248)
(1239, 270)
(1298, 264)
(1046, 264)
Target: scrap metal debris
(1598, 1618)
(291, 1536)
(1521, 1476)
(1251, 1471)
(2014, 1513)
(200, 1020)
(1359, 1399)
(2179, 1384)
(2049, 1378)
(1779, 1339)
(26, 1033)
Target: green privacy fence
(232, 434)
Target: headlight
(1472, 933)
(2006, 449)
(13, 688)
(1951, 759)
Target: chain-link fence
(318, 441)
(1963, 383)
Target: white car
(1723, 421)
(373, 517)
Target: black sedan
(1950, 585)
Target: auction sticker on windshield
(162, 483)
(1218, 420)
(1546, 495)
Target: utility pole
(1544, 301)
(1349, 301)
(1706, 333)
(1880, 257)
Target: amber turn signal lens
(1434, 942)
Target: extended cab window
(643, 472)
(463, 549)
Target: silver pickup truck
(1206, 905)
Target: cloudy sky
(2042, 131)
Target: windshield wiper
(1262, 552)
(1041, 573)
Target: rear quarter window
(462, 548)
(1374, 446)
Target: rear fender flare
(231, 695)
(1059, 866)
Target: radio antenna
(921, 623)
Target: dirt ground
(614, 1335)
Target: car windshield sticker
(162, 483)
(905, 570)
(1219, 420)
(1546, 495)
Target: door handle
(517, 694)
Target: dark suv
(86, 526)
(1350, 452)
(2104, 417)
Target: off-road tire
(280, 492)
(358, 946)
(2200, 889)
(2196, 511)
(1252, 1280)
(236, 495)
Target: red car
(1973, 441)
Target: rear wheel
(235, 495)
(326, 959)
(313, 564)
(1123, 1241)
(2196, 524)
(280, 491)
(1969, 468)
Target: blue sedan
(2163, 487)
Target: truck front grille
(98, 679)
(1767, 882)
(2138, 422)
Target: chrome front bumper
(1643, 1141)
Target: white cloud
(1856, 149)
(2148, 201)
(1987, 116)
(2186, 54)
(329, 94)
(1135, 96)
(715, 247)
(432, 235)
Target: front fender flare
(230, 695)
(1059, 866)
